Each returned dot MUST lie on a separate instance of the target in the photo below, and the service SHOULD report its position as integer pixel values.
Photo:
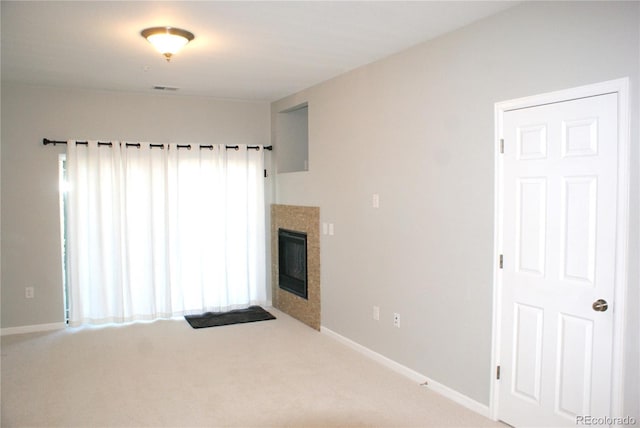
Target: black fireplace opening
(292, 262)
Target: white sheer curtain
(155, 232)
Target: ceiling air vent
(165, 88)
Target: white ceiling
(243, 50)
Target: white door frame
(621, 87)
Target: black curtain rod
(46, 142)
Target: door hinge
(502, 145)
(498, 372)
(265, 173)
(501, 261)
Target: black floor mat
(237, 316)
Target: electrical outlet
(29, 293)
(396, 320)
(376, 313)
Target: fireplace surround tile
(307, 220)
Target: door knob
(600, 305)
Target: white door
(559, 241)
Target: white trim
(393, 365)
(497, 278)
(621, 88)
(459, 398)
(622, 249)
(608, 87)
(441, 389)
(32, 328)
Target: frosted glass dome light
(167, 40)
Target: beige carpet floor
(276, 373)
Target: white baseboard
(32, 328)
(397, 367)
(441, 389)
(459, 398)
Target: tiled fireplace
(301, 222)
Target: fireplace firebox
(292, 262)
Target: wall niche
(292, 137)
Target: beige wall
(30, 209)
(418, 129)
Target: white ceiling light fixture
(167, 40)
